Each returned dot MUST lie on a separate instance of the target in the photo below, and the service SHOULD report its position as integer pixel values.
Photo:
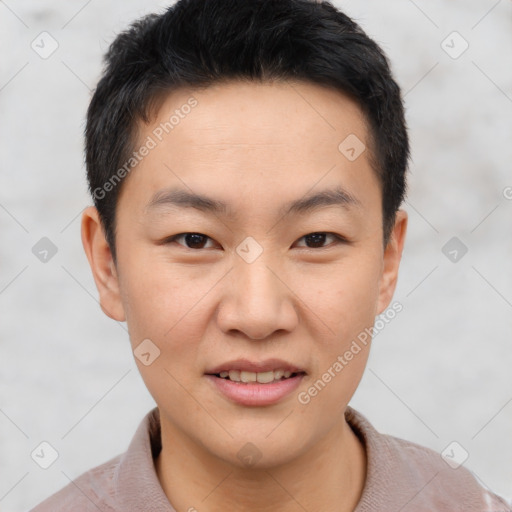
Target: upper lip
(255, 366)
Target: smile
(251, 391)
(260, 377)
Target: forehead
(255, 139)
(259, 109)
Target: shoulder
(90, 492)
(441, 484)
(125, 482)
(410, 477)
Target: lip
(254, 393)
(255, 366)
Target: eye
(198, 240)
(192, 240)
(318, 239)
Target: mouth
(247, 377)
(255, 383)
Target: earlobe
(391, 261)
(102, 265)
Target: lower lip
(254, 393)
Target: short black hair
(197, 43)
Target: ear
(102, 264)
(391, 261)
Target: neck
(329, 476)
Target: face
(278, 265)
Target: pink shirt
(401, 477)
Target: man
(247, 161)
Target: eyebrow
(178, 197)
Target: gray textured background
(439, 372)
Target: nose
(257, 301)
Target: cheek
(168, 304)
(159, 294)
(347, 304)
(167, 309)
(345, 298)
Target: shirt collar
(138, 488)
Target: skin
(256, 147)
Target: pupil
(194, 238)
(318, 238)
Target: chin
(260, 452)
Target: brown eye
(192, 240)
(317, 240)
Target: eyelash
(339, 239)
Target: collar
(398, 472)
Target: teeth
(261, 377)
(248, 376)
(265, 377)
(234, 375)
